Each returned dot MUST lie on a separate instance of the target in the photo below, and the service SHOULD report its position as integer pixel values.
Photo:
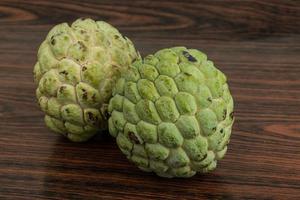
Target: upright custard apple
(76, 69)
(172, 113)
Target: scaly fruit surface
(172, 113)
(76, 69)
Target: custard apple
(76, 69)
(172, 113)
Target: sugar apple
(76, 69)
(172, 113)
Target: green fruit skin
(76, 70)
(172, 113)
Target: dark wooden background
(256, 43)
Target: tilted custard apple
(172, 113)
(76, 69)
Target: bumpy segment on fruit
(76, 69)
(172, 113)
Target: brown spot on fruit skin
(189, 56)
(90, 115)
(224, 114)
(84, 68)
(231, 115)
(82, 31)
(94, 97)
(53, 41)
(214, 128)
(82, 46)
(187, 74)
(209, 99)
(92, 118)
(62, 88)
(84, 96)
(133, 138)
(64, 72)
(116, 37)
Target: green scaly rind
(172, 113)
(76, 70)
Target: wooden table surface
(256, 43)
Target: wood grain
(256, 43)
